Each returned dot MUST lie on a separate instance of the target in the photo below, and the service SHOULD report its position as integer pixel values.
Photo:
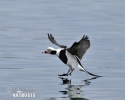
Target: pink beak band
(44, 52)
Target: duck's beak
(44, 52)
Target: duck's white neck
(58, 51)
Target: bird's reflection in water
(74, 92)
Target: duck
(71, 56)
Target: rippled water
(24, 25)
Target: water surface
(24, 26)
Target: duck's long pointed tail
(84, 70)
(90, 73)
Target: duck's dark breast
(62, 56)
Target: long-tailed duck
(71, 56)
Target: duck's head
(50, 50)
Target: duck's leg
(68, 72)
(71, 72)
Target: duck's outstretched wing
(51, 38)
(80, 48)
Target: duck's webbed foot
(63, 74)
(68, 73)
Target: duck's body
(71, 56)
(70, 60)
